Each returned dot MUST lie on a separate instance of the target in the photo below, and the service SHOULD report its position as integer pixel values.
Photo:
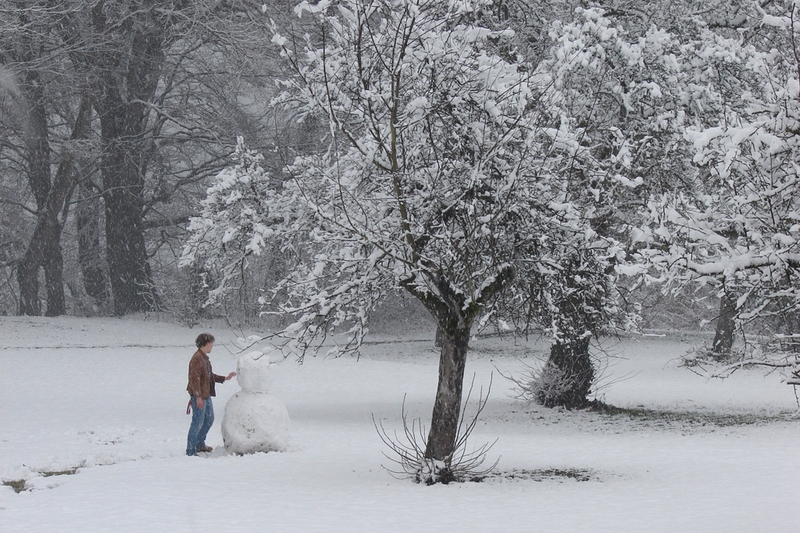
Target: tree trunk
(568, 375)
(28, 281)
(128, 79)
(726, 325)
(131, 285)
(89, 249)
(44, 250)
(447, 407)
(53, 264)
(37, 153)
(454, 319)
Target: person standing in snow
(201, 389)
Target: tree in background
(738, 227)
(613, 85)
(46, 125)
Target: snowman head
(254, 371)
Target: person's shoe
(204, 448)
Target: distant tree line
(113, 113)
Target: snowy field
(93, 428)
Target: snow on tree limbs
(734, 223)
(449, 172)
(441, 171)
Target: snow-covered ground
(92, 421)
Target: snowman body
(255, 420)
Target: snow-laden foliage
(448, 173)
(233, 225)
(427, 146)
(738, 225)
(614, 97)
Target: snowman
(255, 420)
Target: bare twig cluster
(780, 353)
(408, 451)
(544, 384)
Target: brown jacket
(201, 378)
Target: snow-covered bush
(553, 385)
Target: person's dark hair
(203, 339)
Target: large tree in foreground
(441, 177)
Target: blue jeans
(201, 423)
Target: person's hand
(230, 376)
(200, 403)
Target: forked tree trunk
(443, 434)
(44, 249)
(454, 319)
